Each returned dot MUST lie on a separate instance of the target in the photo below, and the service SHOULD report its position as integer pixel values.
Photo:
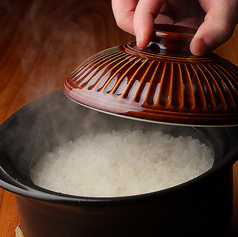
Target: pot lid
(162, 82)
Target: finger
(164, 19)
(178, 9)
(164, 16)
(189, 22)
(145, 14)
(124, 13)
(217, 28)
(192, 15)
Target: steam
(53, 39)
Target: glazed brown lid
(161, 83)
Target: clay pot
(199, 207)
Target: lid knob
(172, 39)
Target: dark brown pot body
(203, 211)
(200, 207)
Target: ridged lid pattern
(158, 83)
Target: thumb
(217, 28)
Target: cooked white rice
(122, 163)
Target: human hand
(215, 20)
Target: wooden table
(41, 43)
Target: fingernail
(200, 47)
(138, 40)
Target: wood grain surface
(41, 43)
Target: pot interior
(54, 119)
